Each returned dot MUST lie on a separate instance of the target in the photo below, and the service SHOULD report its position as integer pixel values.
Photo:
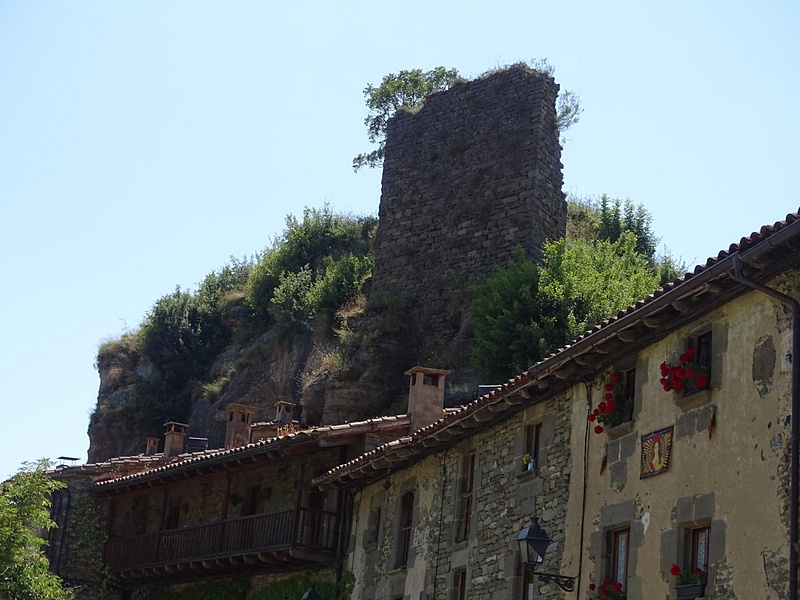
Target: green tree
(24, 513)
(406, 89)
(317, 241)
(524, 311)
(607, 219)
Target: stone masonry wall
(506, 496)
(470, 177)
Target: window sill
(528, 474)
(398, 572)
(619, 430)
(699, 398)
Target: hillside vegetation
(298, 316)
(309, 272)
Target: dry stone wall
(468, 179)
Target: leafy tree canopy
(406, 89)
(524, 311)
(24, 513)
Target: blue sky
(144, 143)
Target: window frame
(532, 446)
(465, 497)
(528, 584)
(460, 584)
(697, 538)
(405, 529)
(618, 572)
(702, 344)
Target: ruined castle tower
(469, 178)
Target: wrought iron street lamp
(533, 542)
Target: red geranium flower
(593, 417)
(675, 570)
(598, 429)
(615, 377)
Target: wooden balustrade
(315, 530)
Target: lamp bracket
(565, 583)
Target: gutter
(794, 492)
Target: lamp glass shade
(311, 594)
(533, 542)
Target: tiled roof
(157, 467)
(765, 253)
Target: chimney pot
(283, 411)
(240, 417)
(425, 396)
(173, 438)
(152, 446)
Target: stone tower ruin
(469, 178)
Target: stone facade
(504, 495)
(728, 467)
(468, 179)
(715, 496)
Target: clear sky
(144, 143)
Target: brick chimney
(173, 438)
(240, 417)
(425, 396)
(152, 446)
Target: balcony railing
(313, 530)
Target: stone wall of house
(468, 179)
(506, 496)
(728, 466)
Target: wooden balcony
(269, 542)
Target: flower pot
(690, 591)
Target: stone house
(245, 513)
(632, 470)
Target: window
(618, 545)
(701, 345)
(252, 501)
(460, 584)
(375, 525)
(404, 532)
(172, 517)
(528, 589)
(533, 436)
(623, 389)
(698, 539)
(467, 483)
